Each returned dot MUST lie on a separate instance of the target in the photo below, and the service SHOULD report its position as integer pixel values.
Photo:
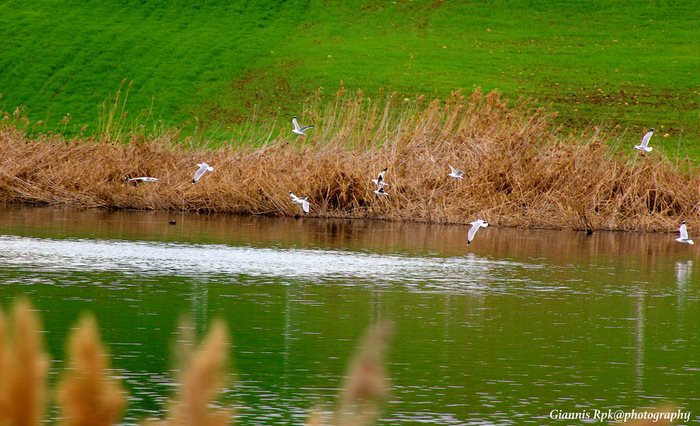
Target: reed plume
(87, 395)
(202, 375)
(23, 367)
(366, 384)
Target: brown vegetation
(519, 170)
(87, 395)
(23, 367)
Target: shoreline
(518, 172)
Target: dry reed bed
(519, 171)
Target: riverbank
(519, 170)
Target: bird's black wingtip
(468, 242)
(194, 181)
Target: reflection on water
(521, 323)
(207, 261)
(639, 342)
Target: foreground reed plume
(519, 170)
(87, 395)
(365, 386)
(23, 367)
(201, 377)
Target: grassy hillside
(633, 64)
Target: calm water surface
(523, 323)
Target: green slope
(636, 64)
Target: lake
(518, 324)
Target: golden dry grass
(86, 394)
(519, 170)
(202, 376)
(23, 368)
(366, 385)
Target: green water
(523, 323)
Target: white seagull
(302, 201)
(203, 167)
(454, 173)
(684, 235)
(643, 146)
(299, 130)
(475, 227)
(379, 181)
(380, 191)
(143, 179)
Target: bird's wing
(293, 197)
(684, 231)
(472, 231)
(198, 174)
(305, 206)
(460, 173)
(453, 170)
(645, 139)
(305, 128)
(295, 123)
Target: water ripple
(200, 260)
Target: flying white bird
(380, 191)
(645, 142)
(299, 130)
(475, 227)
(454, 173)
(379, 181)
(684, 235)
(203, 167)
(302, 201)
(143, 179)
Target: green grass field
(632, 64)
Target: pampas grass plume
(366, 384)
(87, 395)
(23, 367)
(201, 378)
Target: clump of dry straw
(520, 170)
